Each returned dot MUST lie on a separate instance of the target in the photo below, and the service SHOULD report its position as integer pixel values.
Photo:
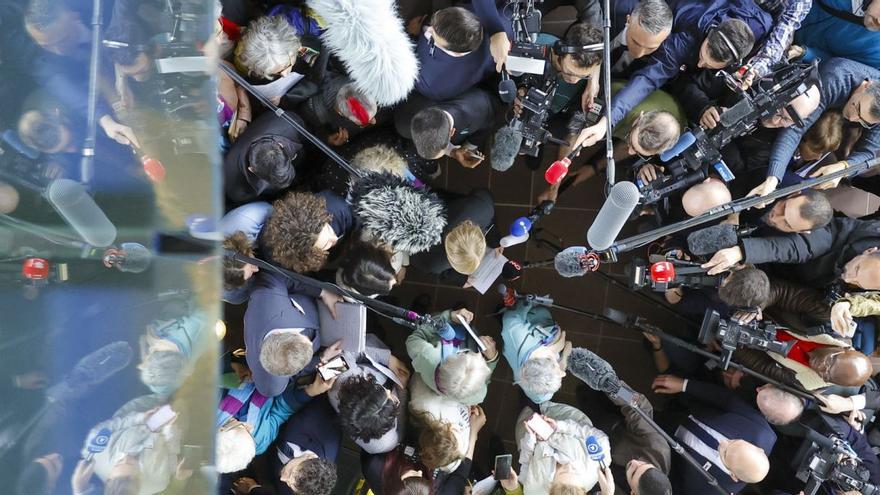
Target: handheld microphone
(152, 167)
(575, 261)
(511, 270)
(505, 148)
(615, 212)
(79, 210)
(594, 450)
(684, 142)
(98, 443)
(507, 87)
(557, 171)
(519, 232)
(712, 239)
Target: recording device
(509, 296)
(540, 427)
(40, 272)
(559, 169)
(192, 456)
(333, 369)
(732, 336)
(615, 212)
(129, 257)
(92, 369)
(98, 443)
(520, 228)
(830, 460)
(595, 451)
(160, 418)
(503, 463)
(671, 273)
(23, 165)
(712, 239)
(689, 161)
(506, 87)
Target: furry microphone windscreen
(407, 218)
(711, 239)
(369, 38)
(505, 148)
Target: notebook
(350, 326)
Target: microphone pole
(290, 120)
(609, 146)
(87, 163)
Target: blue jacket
(840, 77)
(824, 36)
(249, 219)
(521, 337)
(692, 20)
(442, 76)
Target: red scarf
(800, 351)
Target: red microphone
(35, 269)
(152, 167)
(662, 272)
(556, 172)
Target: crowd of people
(332, 130)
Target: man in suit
(728, 437)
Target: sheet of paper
(489, 270)
(280, 86)
(484, 486)
(471, 332)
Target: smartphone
(334, 368)
(542, 428)
(502, 466)
(192, 456)
(161, 417)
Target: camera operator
(840, 29)
(850, 86)
(728, 31)
(787, 17)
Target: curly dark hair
(315, 477)
(233, 271)
(365, 411)
(292, 229)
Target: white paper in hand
(488, 271)
(471, 332)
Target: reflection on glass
(108, 144)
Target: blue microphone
(594, 450)
(98, 443)
(520, 227)
(684, 142)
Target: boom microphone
(91, 370)
(505, 148)
(79, 210)
(684, 142)
(575, 261)
(593, 371)
(711, 239)
(614, 213)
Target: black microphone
(593, 370)
(712, 239)
(79, 210)
(505, 148)
(507, 87)
(91, 370)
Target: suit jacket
(473, 111)
(241, 185)
(270, 308)
(730, 416)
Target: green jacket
(863, 303)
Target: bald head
(779, 406)
(745, 462)
(704, 196)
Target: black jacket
(818, 256)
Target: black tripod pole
(87, 162)
(609, 146)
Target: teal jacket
(521, 333)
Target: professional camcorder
(732, 336)
(825, 460)
(689, 161)
(664, 274)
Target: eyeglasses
(781, 117)
(861, 121)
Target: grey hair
(540, 376)
(873, 89)
(658, 131)
(380, 158)
(267, 43)
(347, 91)
(285, 354)
(781, 399)
(234, 450)
(463, 374)
(654, 16)
(163, 371)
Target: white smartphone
(334, 368)
(540, 427)
(161, 417)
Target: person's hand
(835, 404)
(182, 472)
(491, 351)
(710, 118)
(746, 317)
(517, 102)
(464, 313)
(122, 134)
(795, 51)
(674, 296)
(400, 370)
(856, 418)
(414, 25)
(237, 127)
(732, 378)
(32, 380)
(668, 384)
(723, 260)
(656, 343)
(499, 45)
(589, 94)
(243, 372)
(763, 189)
(842, 319)
(747, 79)
(648, 173)
(828, 170)
(330, 352)
(467, 158)
(511, 483)
(319, 386)
(477, 418)
(549, 194)
(606, 480)
(339, 137)
(330, 299)
(591, 135)
(82, 475)
(243, 486)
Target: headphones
(561, 48)
(737, 58)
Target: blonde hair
(564, 489)
(465, 246)
(463, 374)
(438, 445)
(380, 158)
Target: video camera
(732, 336)
(822, 459)
(665, 273)
(689, 161)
